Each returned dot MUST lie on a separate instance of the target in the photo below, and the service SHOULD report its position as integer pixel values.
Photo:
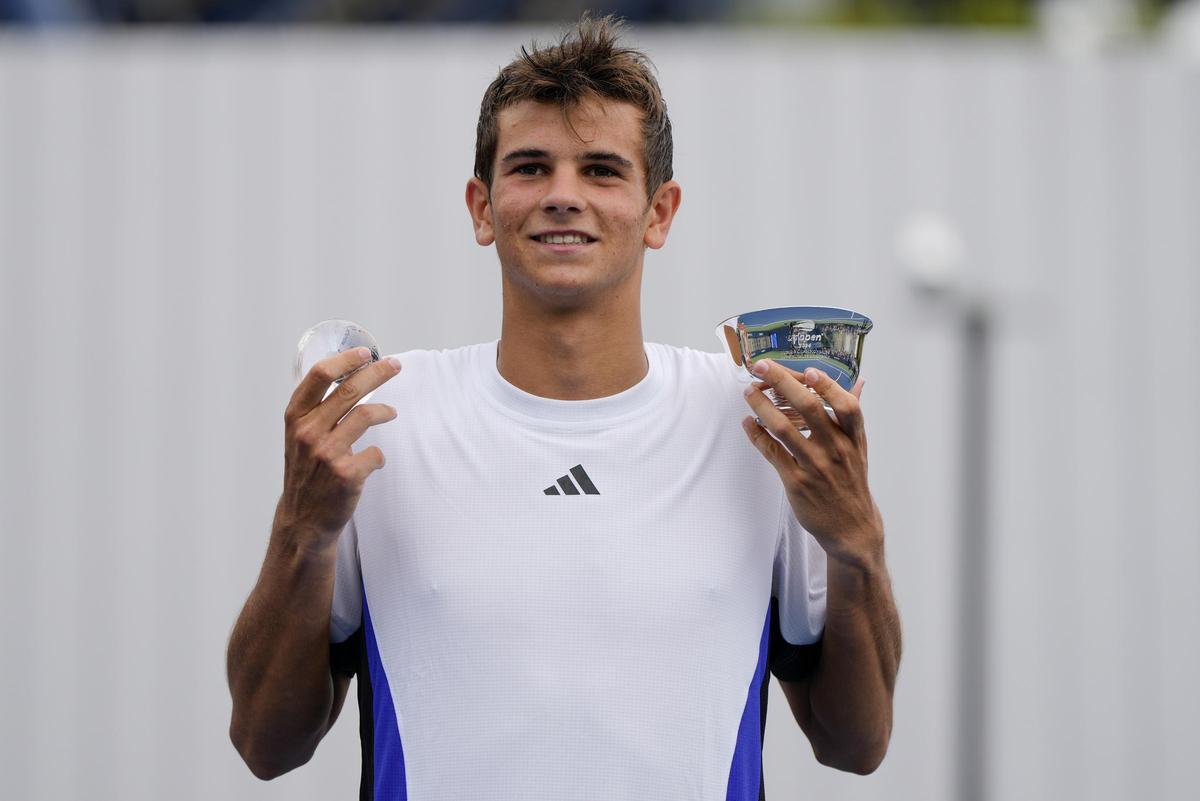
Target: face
(567, 210)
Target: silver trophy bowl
(797, 337)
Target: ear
(662, 210)
(479, 203)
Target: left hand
(825, 473)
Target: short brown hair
(585, 63)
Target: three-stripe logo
(568, 486)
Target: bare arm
(278, 659)
(285, 697)
(845, 707)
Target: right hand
(322, 478)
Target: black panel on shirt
(343, 656)
(348, 658)
(790, 662)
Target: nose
(563, 194)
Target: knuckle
(779, 427)
(305, 437)
(326, 370)
(346, 391)
(325, 454)
(793, 477)
(810, 399)
(358, 416)
(344, 472)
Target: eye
(527, 169)
(601, 171)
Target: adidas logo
(568, 486)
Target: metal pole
(973, 571)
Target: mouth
(563, 240)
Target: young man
(574, 572)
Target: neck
(572, 354)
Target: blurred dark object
(353, 11)
(819, 13)
(940, 13)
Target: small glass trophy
(797, 337)
(329, 338)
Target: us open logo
(802, 335)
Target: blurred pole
(974, 589)
(931, 250)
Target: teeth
(564, 239)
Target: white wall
(175, 210)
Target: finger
(779, 457)
(784, 382)
(844, 404)
(356, 423)
(351, 391)
(856, 391)
(312, 388)
(360, 465)
(777, 424)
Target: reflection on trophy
(798, 337)
(331, 337)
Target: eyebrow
(605, 155)
(595, 155)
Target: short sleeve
(345, 616)
(798, 590)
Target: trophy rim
(851, 313)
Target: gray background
(176, 210)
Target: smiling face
(567, 209)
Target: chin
(566, 283)
(557, 291)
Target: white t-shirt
(555, 600)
